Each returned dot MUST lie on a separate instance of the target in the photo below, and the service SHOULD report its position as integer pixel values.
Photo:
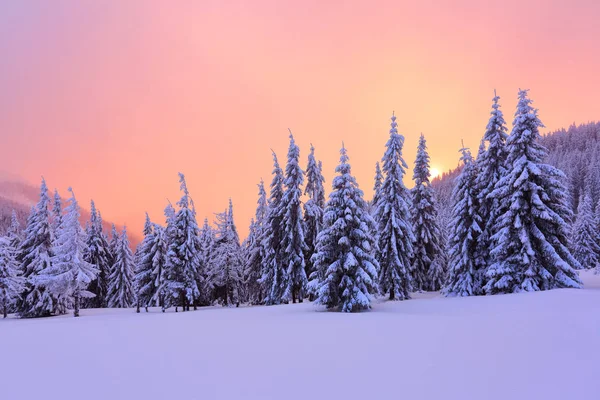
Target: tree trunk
(4, 308)
(76, 306)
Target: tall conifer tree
(121, 292)
(227, 259)
(97, 252)
(531, 231)
(254, 249)
(465, 229)
(313, 208)
(293, 244)
(184, 254)
(345, 272)
(584, 237)
(34, 257)
(11, 284)
(274, 277)
(424, 221)
(393, 217)
(69, 275)
(490, 168)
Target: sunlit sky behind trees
(114, 98)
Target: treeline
(508, 230)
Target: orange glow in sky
(115, 97)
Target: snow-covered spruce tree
(14, 234)
(313, 208)
(11, 284)
(531, 233)
(438, 271)
(144, 280)
(69, 275)
(34, 257)
(293, 245)
(584, 238)
(396, 238)
(204, 280)
(465, 228)
(97, 252)
(121, 292)
(345, 272)
(424, 221)
(183, 256)
(160, 249)
(491, 167)
(57, 213)
(274, 277)
(113, 244)
(170, 230)
(377, 187)
(254, 250)
(227, 260)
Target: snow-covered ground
(525, 346)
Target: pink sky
(115, 97)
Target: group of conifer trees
(509, 232)
(510, 221)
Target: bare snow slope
(526, 346)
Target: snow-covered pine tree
(113, 244)
(438, 271)
(170, 230)
(462, 237)
(377, 187)
(34, 257)
(313, 208)
(14, 234)
(97, 253)
(121, 292)
(396, 238)
(183, 256)
(584, 237)
(207, 244)
(531, 233)
(144, 280)
(57, 212)
(293, 245)
(424, 222)
(345, 272)
(160, 249)
(274, 276)
(465, 228)
(227, 262)
(69, 275)
(11, 284)
(254, 249)
(490, 168)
